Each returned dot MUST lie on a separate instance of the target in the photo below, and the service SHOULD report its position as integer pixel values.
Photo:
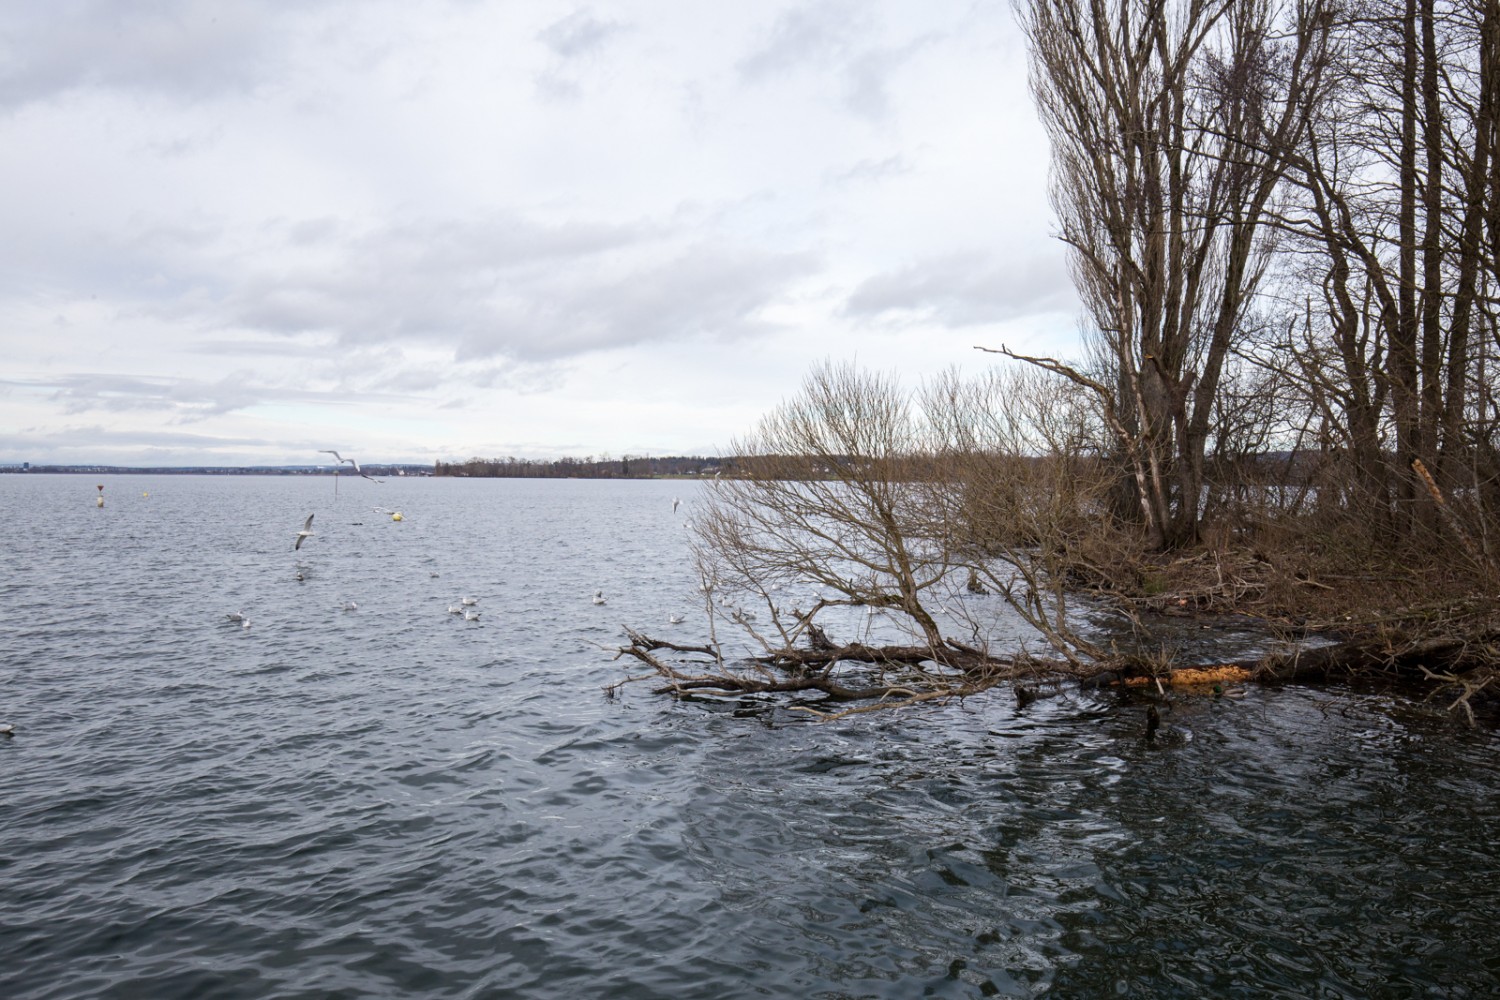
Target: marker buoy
(397, 516)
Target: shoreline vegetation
(1283, 226)
(929, 513)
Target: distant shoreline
(384, 471)
(209, 470)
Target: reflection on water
(395, 802)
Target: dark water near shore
(391, 801)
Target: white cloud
(441, 229)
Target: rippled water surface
(390, 801)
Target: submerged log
(1467, 669)
(924, 675)
(1366, 657)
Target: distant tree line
(589, 467)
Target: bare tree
(1169, 122)
(1392, 250)
(856, 494)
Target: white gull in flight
(304, 534)
(347, 461)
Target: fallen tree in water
(881, 677)
(909, 532)
(849, 679)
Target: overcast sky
(239, 231)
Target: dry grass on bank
(1422, 617)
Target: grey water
(391, 801)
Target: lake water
(393, 802)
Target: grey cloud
(578, 34)
(965, 290)
(828, 36)
(160, 259)
(190, 49)
(874, 170)
(554, 86)
(429, 280)
(712, 292)
(521, 378)
(494, 287)
(571, 39)
(816, 34)
(867, 79)
(92, 438)
(185, 399)
(504, 287)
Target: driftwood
(1465, 668)
(1360, 658)
(905, 675)
(1458, 663)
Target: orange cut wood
(1190, 676)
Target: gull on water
(454, 609)
(599, 597)
(236, 616)
(304, 534)
(469, 600)
(7, 729)
(471, 616)
(350, 606)
(675, 619)
(347, 461)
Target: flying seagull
(304, 534)
(350, 461)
